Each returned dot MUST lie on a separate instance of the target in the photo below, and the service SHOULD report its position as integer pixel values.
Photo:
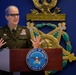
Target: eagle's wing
(37, 4)
(40, 58)
(52, 4)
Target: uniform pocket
(22, 37)
(6, 38)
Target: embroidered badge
(23, 32)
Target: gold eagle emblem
(45, 6)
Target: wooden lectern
(14, 60)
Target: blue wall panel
(67, 7)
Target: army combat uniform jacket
(21, 40)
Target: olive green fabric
(19, 41)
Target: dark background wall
(67, 7)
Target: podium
(14, 60)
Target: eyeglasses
(13, 15)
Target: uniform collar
(8, 32)
(12, 28)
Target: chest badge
(23, 32)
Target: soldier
(14, 36)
